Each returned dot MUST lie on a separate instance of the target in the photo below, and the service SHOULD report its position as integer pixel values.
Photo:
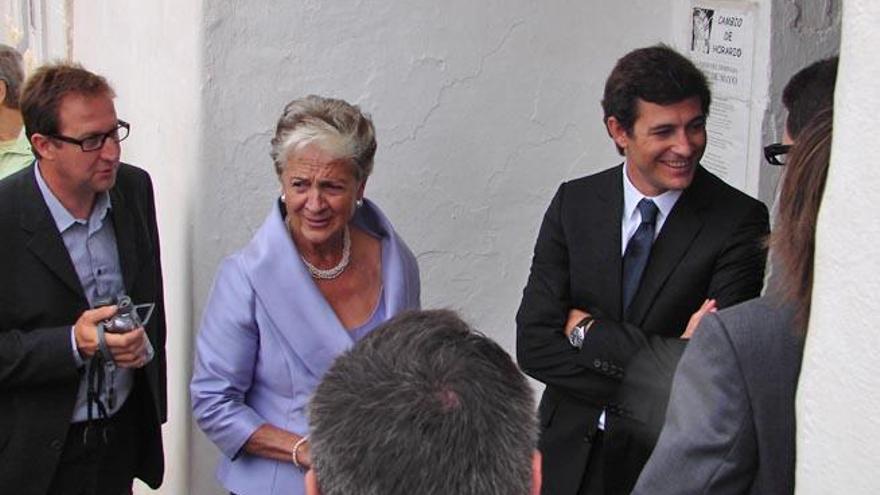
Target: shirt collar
(631, 197)
(62, 217)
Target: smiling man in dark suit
(626, 262)
(80, 413)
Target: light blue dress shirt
(91, 244)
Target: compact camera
(127, 318)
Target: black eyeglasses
(775, 153)
(96, 142)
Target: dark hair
(808, 92)
(46, 88)
(423, 405)
(12, 73)
(793, 239)
(656, 74)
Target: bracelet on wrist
(295, 455)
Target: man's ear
(44, 146)
(617, 132)
(312, 487)
(536, 472)
(3, 90)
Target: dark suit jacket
(40, 299)
(710, 247)
(730, 428)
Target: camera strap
(101, 364)
(95, 383)
(102, 342)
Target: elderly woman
(325, 269)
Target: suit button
(57, 444)
(597, 363)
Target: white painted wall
(789, 35)
(799, 33)
(839, 392)
(481, 109)
(151, 53)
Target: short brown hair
(657, 74)
(47, 87)
(12, 73)
(793, 240)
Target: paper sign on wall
(722, 38)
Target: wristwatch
(576, 337)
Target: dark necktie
(635, 259)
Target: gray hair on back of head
(425, 405)
(336, 126)
(12, 73)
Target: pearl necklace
(331, 273)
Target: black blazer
(711, 246)
(40, 299)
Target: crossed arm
(594, 372)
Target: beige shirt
(15, 155)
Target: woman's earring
(359, 203)
(283, 198)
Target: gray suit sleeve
(708, 441)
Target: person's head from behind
(810, 90)
(71, 122)
(424, 405)
(11, 77)
(794, 237)
(655, 106)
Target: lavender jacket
(267, 337)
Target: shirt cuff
(80, 362)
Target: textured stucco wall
(789, 34)
(481, 109)
(800, 32)
(839, 393)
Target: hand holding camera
(115, 329)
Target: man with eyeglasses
(807, 92)
(81, 406)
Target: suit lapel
(124, 225)
(609, 248)
(671, 246)
(594, 216)
(44, 239)
(302, 319)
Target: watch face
(576, 337)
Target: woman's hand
(304, 455)
(274, 443)
(707, 307)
